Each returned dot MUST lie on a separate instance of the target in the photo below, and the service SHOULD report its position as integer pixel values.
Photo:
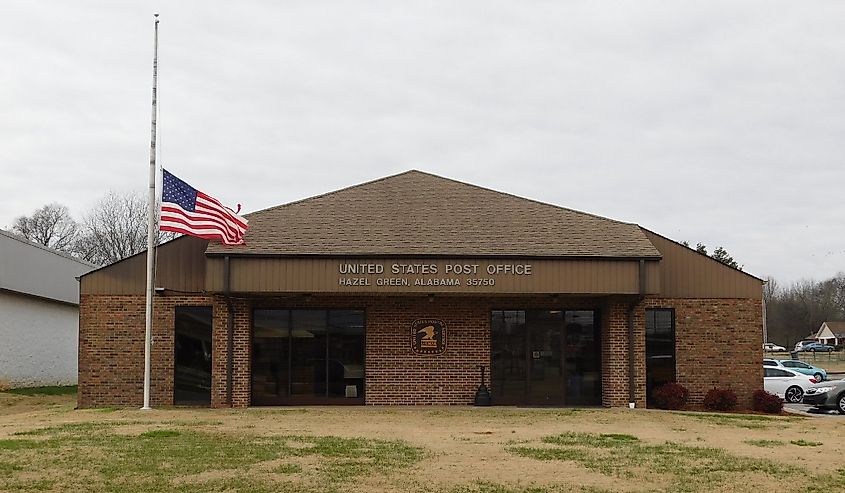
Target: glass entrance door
(546, 382)
(545, 358)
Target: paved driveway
(806, 410)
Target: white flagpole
(151, 233)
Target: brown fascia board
(708, 257)
(427, 256)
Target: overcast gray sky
(719, 122)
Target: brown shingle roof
(416, 213)
(838, 325)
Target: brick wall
(718, 344)
(396, 375)
(111, 349)
(711, 334)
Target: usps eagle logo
(428, 336)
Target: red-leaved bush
(766, 402)
(720, 399)
(671, 396)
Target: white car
(799, 346)
(789, 385)
(772, 347)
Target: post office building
(400, 291)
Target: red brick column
(242, 364)
(614, 355)
(615, 369)
(639, 356)
(242, 357)
(164, 340)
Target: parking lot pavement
(806, 410)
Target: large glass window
(659, 348)
(583, 358)
(270, 350)
(192, 356)
(545, 357)
(308, 356)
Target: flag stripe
(192, 232)
(173, 211)
(225, 210)
(223, 216)
(224, 213)
(176, 220)
(198, 226)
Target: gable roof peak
(420, 213)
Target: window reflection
(302, 356)
(192, 355)
(545, 357)
(659, 348)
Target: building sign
(437, 276)
(428, 336)
(434, 274)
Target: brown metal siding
(321, 275)
(180, 266)
(685, 273)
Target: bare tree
(800, 308)
(771, 289)
(50, 226)
(115, 228)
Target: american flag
(184, 209)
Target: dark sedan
(828, 395)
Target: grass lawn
(46, 445)
(49, 390)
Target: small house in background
(39, 313)
(832, 333)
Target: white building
(39, 313)
(832, 333)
